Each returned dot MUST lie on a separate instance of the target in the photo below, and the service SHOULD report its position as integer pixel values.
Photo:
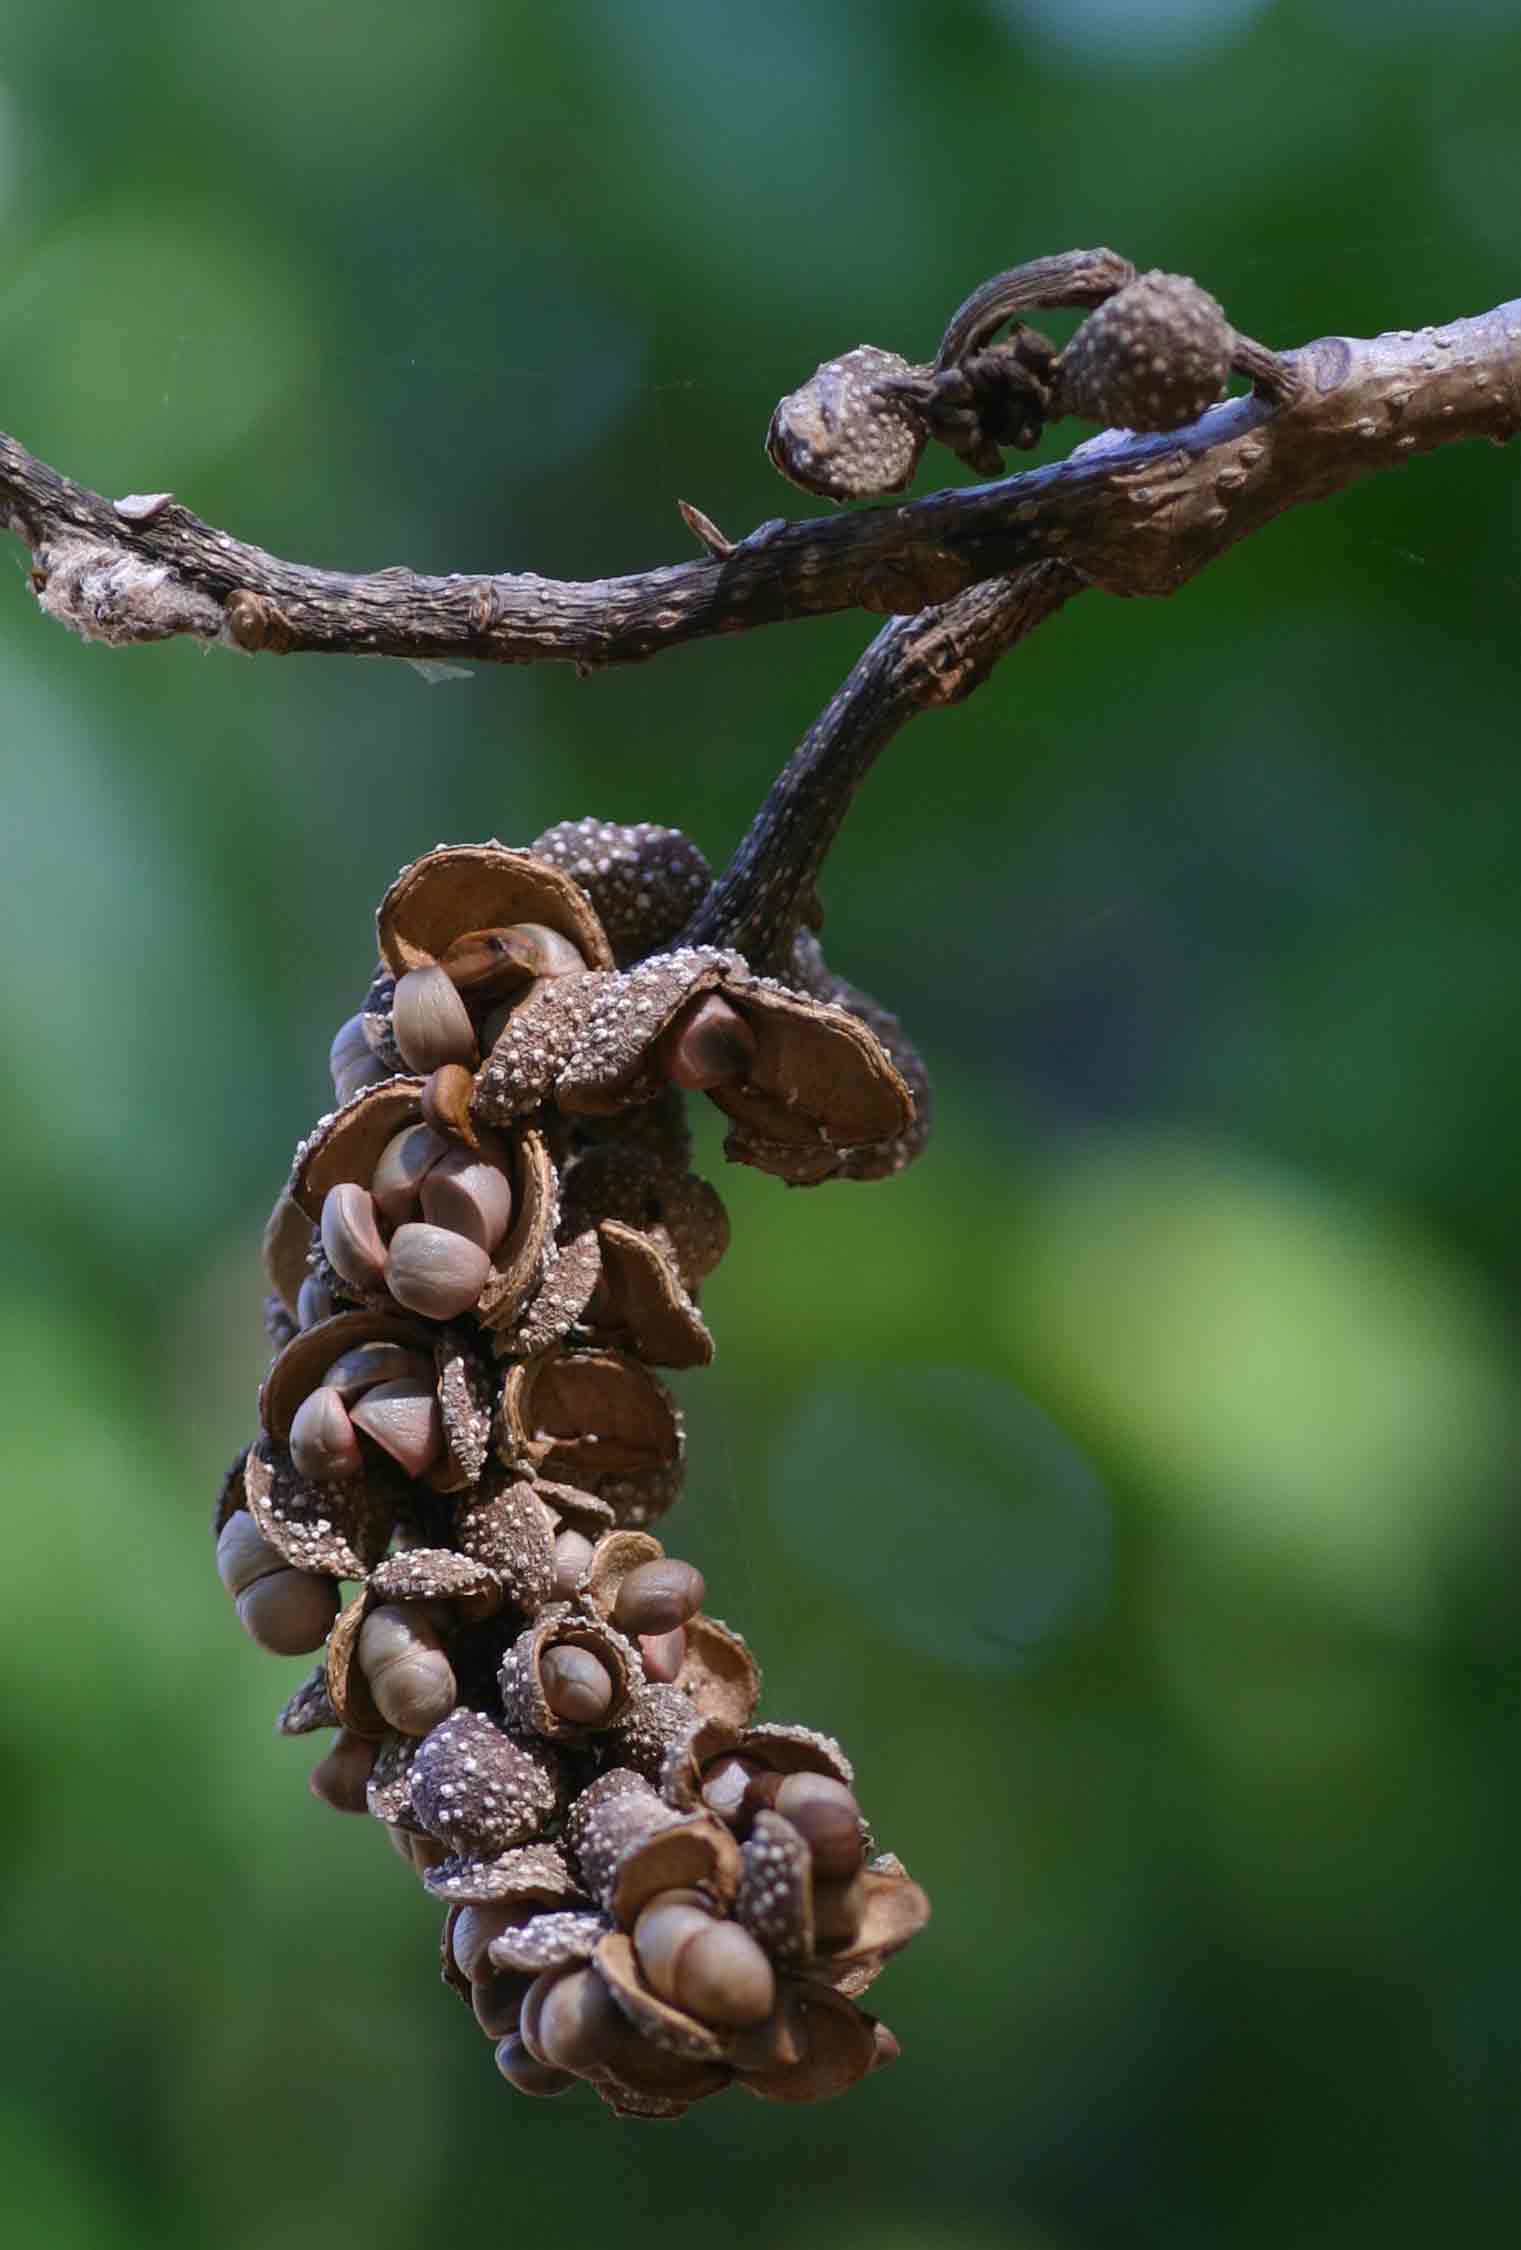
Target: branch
(1132, 515)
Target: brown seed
(322, 1440)
(714, 1970)
(244, 1554)
(573, 1551)
(498, 2001)
(827, 1817)
(403, 1418)
(419, 1852)
(836, 1911)
(350, 1236)
(724, 1783)
(434, 1272)
(578, 2023)
(289, 1613)
(659, 1596)
(486, 963)
(431, 1022)
(707, 1045)
(446, 1098)
(352, 1061)
(468, 1197)
(576, 1686)
(663, 1655)
(520, 2069)
(354, 1372)
(410, 1676)
(405, 1162)
(314, 1302)
(474, 1929)
(340, 1778)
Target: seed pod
(431, 1022)
(498, 2002)
(530, 2076)
(314, 1302)
(843, 435)
(446, 1098)
(354, 1372)
(435, 1273)
(663, 1655)
(573, 1551)
(341, 1779)
(575, 2024)
(659, 1596)
(404, 1164)
(403, 1418)
(827, 1817)
(480, 1790)
(350, 1236)
(288, 1612)
(352, 1060)
(714, 1970)
(468, 1197)
(1155, 356)
(409, 1675)
(577, 1687)
(322, 1440)
(775, 1902)
(708, 1044)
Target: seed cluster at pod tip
(484, 1254)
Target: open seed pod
(642, 1304)
(720, 1677)
(563, 1939)
(530, 1875)
(839, 2049)
(775, 1901)
(569, 1272)
(407, 1589)
(339, 1527)
(586, 1415)
(303, 1365)
(505, 1525)
(629, 1846)
(388, 1796)
(872, 1160)
(567, 1664)
(644, 882)
(462, 887)
(287, 1244)
(664, 1736)
(659, 2021)
(860, 1924)
(640, 1188)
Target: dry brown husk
(287, 1242)
(340, 1527)
(840, 2048)
(587, 1414)
(559, 1625)
(460, 887)
(719, 1674)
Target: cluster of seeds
(482, 1256)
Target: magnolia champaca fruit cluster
(483, 1255)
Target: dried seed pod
(827, 1817)
(461, 888)
(571, 2022)
(840, 435)
(527, 2073)
(719, 1674)
(560, 1940)
(431, 1022)
(533, 1688)
(507, 1527)
(467, 1196)
(347, 1353)
(657, 1597)
(775, 1902)
(663, 1655)
(530, 1875)
(352, 1061)
(404, 1418)
(341, 1779)
(286, 1611)
(339, 1529)
(322, 1440)
(479, 1790)
(409, 1675)
(645, 882)
(433, 1272)
(640, 1300)
(664, 1737)
(287, 1241)
(1154, 357)
(840, 2048)
(708, 1044)
(588, 1414)
(713, 1970)
(659, 2031)
(351, 1238)
(573, 1551)
(405, 1163)
(498, 2002)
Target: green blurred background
(1132, 1485)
